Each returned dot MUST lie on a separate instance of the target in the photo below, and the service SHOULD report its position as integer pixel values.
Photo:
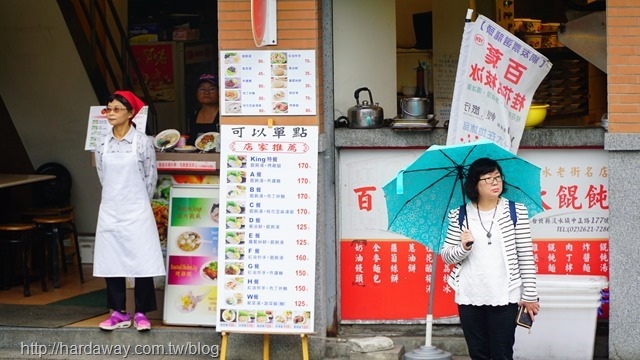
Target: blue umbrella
(420, 197)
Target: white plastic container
(565, 328)
(86, 244)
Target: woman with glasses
(494, 270)
(127, 241)
(206, 118)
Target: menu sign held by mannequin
(98, 126)
(268, 187)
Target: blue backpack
(462, 213)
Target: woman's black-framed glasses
(490, 180)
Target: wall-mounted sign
(268, 82)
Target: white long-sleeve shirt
(517, 248)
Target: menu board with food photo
(193, 267)
(267, 245)
(268, 82)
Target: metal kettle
(365, 115)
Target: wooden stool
(69, 210)
(21, 234)
(53, 226)
(48, 211)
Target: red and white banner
(496, 78)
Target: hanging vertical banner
(264, 22)
(496, 78)
(268, 189)
(156, 61)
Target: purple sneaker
(141, 322)
(117, 320)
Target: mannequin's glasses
(115, 110)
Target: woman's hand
(467, 239)
(532, 308)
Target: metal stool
(52, 227)
(21, 235)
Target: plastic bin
(565, 328)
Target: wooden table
(8, 180)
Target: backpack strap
(461, 215)
(512, 212)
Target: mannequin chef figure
(127, 242)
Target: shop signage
(494, 85)
(268, 187)
(156, 64)
(182, 165)
(570, 236)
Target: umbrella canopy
(420, 197)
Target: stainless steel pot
(366, 115)
(414, 108)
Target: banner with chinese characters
(268, 189)
(190, 295)
(496, 78)
(572, 234)
(265, 82)
(570, 237)
(155, 61)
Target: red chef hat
(133, 100)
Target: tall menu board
(268, 187)
(268, 82)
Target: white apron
(127, 242)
